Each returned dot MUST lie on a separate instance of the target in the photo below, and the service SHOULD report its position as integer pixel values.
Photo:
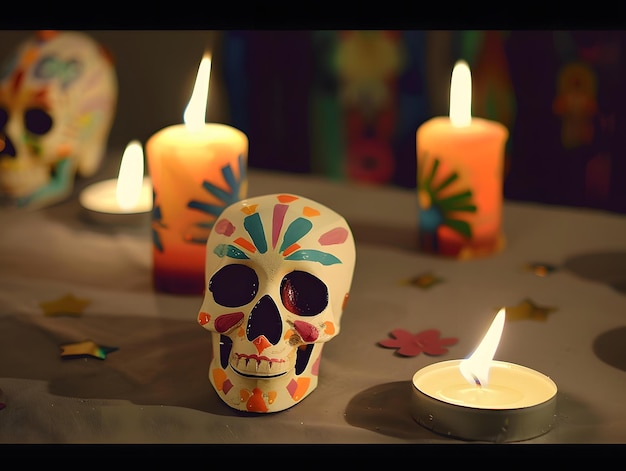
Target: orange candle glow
(460, 165)
(197, 169)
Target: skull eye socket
(4, 118)
(234, 285)
(303, 294)
(37, 121)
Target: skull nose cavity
(265, 321)
(261, 343)
(6, 147)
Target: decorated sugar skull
(278, 274)
(58, 94)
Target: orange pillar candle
(197, 169)
(460, 165)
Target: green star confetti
(85, 349)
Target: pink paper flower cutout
(410, 345)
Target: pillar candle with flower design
(460, 165)
(197, 169)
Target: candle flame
(461, 95)
(195, 113)
(475, 369)
(130, 178)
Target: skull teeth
(258, 365)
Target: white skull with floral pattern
(58, 94)
(278, 274)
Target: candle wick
(477, 381)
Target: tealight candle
(197, 169)
(482, 399)
(460, 165)
(126, 199)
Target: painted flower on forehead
(289, 247)
(278, 271)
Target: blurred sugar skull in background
(58, 95)
(278, 274)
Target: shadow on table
(386, 409)
(610, 347)
(607, 268)
(158, 361)
(602, 267)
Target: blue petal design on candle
(254, 226)
(218, 192)
(156, 240)
(156, 219)
(296, 230)
(227, 250)
(234, 184)
(436, 210)
(212, 209)
(314, 256)
(226, 197)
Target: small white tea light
(124, 200)
(481, 399)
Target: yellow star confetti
(68, 305)
(540, 269)
(424, 281)
(86, 348)
(527, 309)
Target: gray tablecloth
(154, 388)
